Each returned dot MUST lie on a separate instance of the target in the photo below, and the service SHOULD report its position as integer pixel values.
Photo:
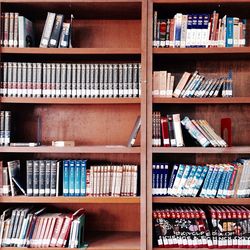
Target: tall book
(55, 35)
(134, 132)
(25, 33)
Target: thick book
(25, 33)
(56, 31)
(47, 30)
(14, 172)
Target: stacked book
(170, 131)
(67, 178)
(16, 31)
(208, 181)
(198, 30)
(37, 228)
(192, 227)
(191, 85)
(5, 128)
(66, 80)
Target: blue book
(206, 182)
(77, 177)
(65, 178)
(216, 182)
(186, 190)
(153, 179)
(211, 182)
(227, 181)
(71, 177)
(205, 33)
(177, 32)
(161, 179)
(183, 180)
(178, 179)
(222, 183)
(83, 177)
(172, 178)
(200, 176)
(194, 30)
(229, 32)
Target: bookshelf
(208, 61)
(110, 31)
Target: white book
(178, 130)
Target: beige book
(237, 180)
(163, 83)
(114, 175)
(171, 87)
(177, 130)
(183, 81)
(134, 180)
(118, 183)
(91, 181)
(101, 189)
(156, 83)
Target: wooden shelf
(184, 248)
(205, 51)
(72, 51)
(71, 1)
(200, 150)
(69, 100)
(66, 200)
(200, 1)
(199, 200)
(104, 241)
(108, 149)
(218, 100)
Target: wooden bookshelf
(210, 62)
(69, 200)
(112, 31)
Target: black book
(172, 138)
(55, 35)
(29, 177)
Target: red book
(37, 240)
(51, 230)
(234, 222)
(230, 232)
(239, 228)
(160, 239)
(44, 227)
(63, 232)
(244, 227)
(35, 222)
(46, 233)
(57, 230)
(164, 130)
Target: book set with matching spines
(191, 85)
(198, 31)
(66, 80)
(39, 228)
(194, 227)
(171, 131)
(229, 180)
(16, 31)
(68, 178)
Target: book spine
(53, 175)
(29, 177)
(68, 80)
(83, 178)
(55, 33)
(35, 177)
(71, 178)
(47, 177)
(77, 177)
(41, 178)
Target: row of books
(67, 178)
(191, 85)
(5, 127)
(70, 80)
(39, 228)
(193, 227)
(170, 131)
(198, 30)
(209, 181)
(16, 31)
(56, 32)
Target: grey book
(39, 79)
(29, 80)
(14, 172)
(96, 81)
(58, 80)
(44, 80)
(15, 227)
(53, 177)
(130, 80)
(4, 91)
(41, 188)
(88, 85)
(134, 132)
(48, 82)
(14, 80)
(125, 80)
(53, 80)
(115, 80)
(69, 81)
(47, 177)
(24, 80)
(7, 127)
(56, 31)
(34, 80)
(92, 80)
(110, 81)
(120, 80)
(2, 134)
(63, 80)
(74, 83)
(101, 80)
(35, 178)
(105, 81)
(78, 80)
(10, 79)
(19, 79)
(135, 82)
(83, 81)
(29, 177)
(10, 231)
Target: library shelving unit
(210, 62)
(110, 31)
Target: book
(134, 132)
(25, 33)
(56, 31)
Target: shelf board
(78, 101)
(200, 1)
(119, 149)
(186, 248)
(66, 200)
(187, 51)
(71, 1)
(72, 51)
(200, 200)
(216, 100)
(201, 150)
(104, 241)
